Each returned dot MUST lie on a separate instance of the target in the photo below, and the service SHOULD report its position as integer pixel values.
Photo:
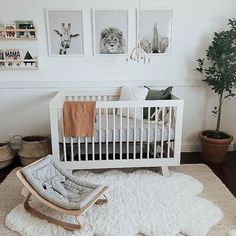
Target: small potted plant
(219, 72)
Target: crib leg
(165, 171)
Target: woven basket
(34, 148)
(6, 155)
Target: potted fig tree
(219, 73)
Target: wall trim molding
(72, 84)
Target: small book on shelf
(29, 60)
(2, 63)
(10, 30)
(2, 32)
(12, 57)
(25, 25)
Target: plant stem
(219, 113)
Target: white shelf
(19, 64)
(20, 60)
(16, 31)
(22, 67)
(4, 38)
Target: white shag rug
(142, 202)
(233, 232)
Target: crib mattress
(112, 134)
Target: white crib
(119, 141)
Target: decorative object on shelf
(25, 26)
(20, 29)
(28, 59)
(110, 31)
(2, 31)
(138, 54)
(18, 59)
(219, 72)
(6, 155)
(155, 31)
(65, 32)
(34, 148)
(2, 63)
(12, 58)
(10, 30)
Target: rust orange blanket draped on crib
(79, 118)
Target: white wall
(24, 95)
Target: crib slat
(72, 149)
(86, 148)
(169, 131)
(135, 119)
(162, 131)
(79, 151)
(64, 141)
(100, 135)
(114, 133)
(93, 149)
(107, 153)
(127, 141)
(121, 133)
(141, 138)
(155, 138)
(148, 134)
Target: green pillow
(164, 94)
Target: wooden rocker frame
(100, 198)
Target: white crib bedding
(110, 131)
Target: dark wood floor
(226, 171)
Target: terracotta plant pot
(34, 148)
(215, 149)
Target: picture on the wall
(65, 32)
(110, 32)
(155, 31)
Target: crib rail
(123, 137)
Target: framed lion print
(110, 31)
(65, 32)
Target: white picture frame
(65, 32)
(104, 18)
(152, 22)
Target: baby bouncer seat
(59, 190)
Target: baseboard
(198, 147)
(191, 148)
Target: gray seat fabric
(59, 186)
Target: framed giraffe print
(65, 32)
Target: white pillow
(132, 94)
